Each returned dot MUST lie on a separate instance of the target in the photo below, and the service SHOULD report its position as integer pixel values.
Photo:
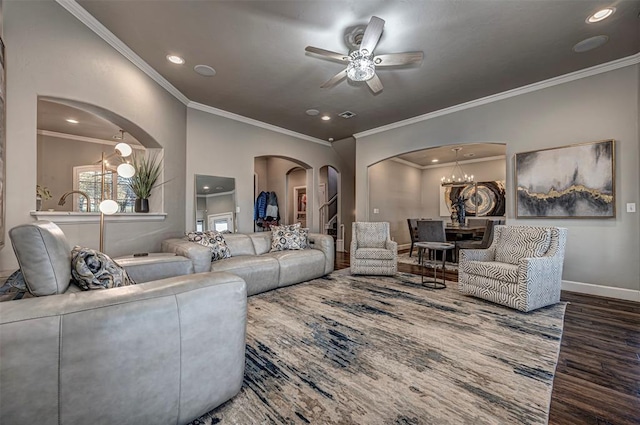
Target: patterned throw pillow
(14, 288)
(304, 237)
(214, 241)
(286, 237)
(91, 269)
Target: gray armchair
(522, 268)
(372, 250)
(160, 352)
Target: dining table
(460, 232)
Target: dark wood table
(455, 233)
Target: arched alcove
(71, 137)
(285, 177)
(409, 185)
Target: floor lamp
(109, 206)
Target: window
(88, 179)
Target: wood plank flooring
(597, 379)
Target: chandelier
(360, 67)
(457, 177)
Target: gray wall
(346, 149)
(604, 106)
(234, 145)
(395, 189)
(51, 53)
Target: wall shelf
(69, 217)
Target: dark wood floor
(597, 380)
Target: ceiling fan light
(361, 67)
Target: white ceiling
(472, 48)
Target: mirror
(215, 203)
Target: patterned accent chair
(372, 250)
(522, 268)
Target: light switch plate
(376, 211)
(631, 207)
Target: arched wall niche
(64, 147)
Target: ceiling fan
(361, 63)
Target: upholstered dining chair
(372, 250)
(484, 243)
(413, 231)
(433, 239)
(521, 269)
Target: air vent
(347, 114)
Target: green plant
(43, 192)
(148, 169)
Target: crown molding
(85, 139)
(86, 18)
(251, 121)
(583, 73)
(446, 164)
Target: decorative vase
(142, 205)
(38, 203)
(461, 215)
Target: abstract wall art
(489, 197)
(576, 181)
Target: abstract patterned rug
(385, 350)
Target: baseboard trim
(601, 291)
(404, 246)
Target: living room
(50, 52)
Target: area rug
(404, 258)
(386, 350)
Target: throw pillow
(214, 241)
(218, 245)
(14, 288)
(286, 237)
(92, 269)
(304, 237)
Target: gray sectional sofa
(164, 351)
(252, 260)
(161, 352)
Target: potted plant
(42, 194)
(148, 169)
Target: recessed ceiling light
(331, 139)
(590, 43)
(219, 187)
(204, 70)
(205, 187)
(326, 118)
(312, 112)
(434, 160)
(72, 121)
(601, 15)
(175, 59)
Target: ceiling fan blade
(375, 84)
(395, 59)
(372, 34)
(335, 79)
(328, 54)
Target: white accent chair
(522, 268)
(372, 250)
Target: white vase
(38, 203)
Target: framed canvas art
(3, 146)
(576, 181)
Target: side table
(432, 248)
